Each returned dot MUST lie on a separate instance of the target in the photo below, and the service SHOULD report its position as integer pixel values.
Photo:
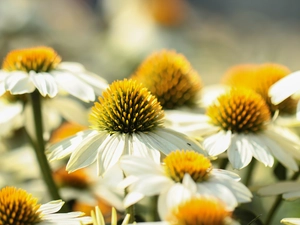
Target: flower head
(240, 111)
(19, 207)
(170, 77)
(239, 122)
(126, 107)
(201, 210)
(243, 120)
(25, 70)
(127, 120)
(260, 78)
(183, 175)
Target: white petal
(290, 221)
(132, 198)
(189, 183)
(138, 166)
(67, 146)
(279, 188)
(172, 197)
(150, 185)
(51, 207)
(239, 190)
(167, 140)
(217, 143)
(140, 147)
(45, 83)
(110, 151)
(19, 83)
(260, 150)
(10, 117)
(291, 195)
(285, 158)
(239, 152)
(225, 174)
(85, 153)
(74, 86)
(70, 109)
(285, 87)
(219, 191)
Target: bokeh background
(112, 37)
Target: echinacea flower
(260, 77)
(239, 122)
(183, 175)
(25, 70)
(19, 207)
(127, 120)
(170, 77)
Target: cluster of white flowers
(151, 137)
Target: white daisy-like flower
(19, 207)
(290, 190)
(127, 121)
(184, 175)
(41, 68)
(239, 121)
(16, 112)
(290, 221)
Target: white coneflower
(127, 120)
(239, 122)
(184, 174)
(19, 207)
(25, 70)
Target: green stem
(249, 173)
(223, 163)
(39, 146)
(153, 204)
(278, 201)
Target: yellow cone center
(18, 207)
(170, 77)
(200, 211)
(126, 107)
(178, 163)
(239, 110)
(260, 78)
(38, 59)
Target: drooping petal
(70, 109)
(239, 152)
(279, 188)
(259, 150)
(132, 198)
(110, 151)
(74, 86)
(280, 154)
(293, 195)
(67, 146)
(19, 83)
(138, 166)
(217, 143)
(85, 153)
(219, 191)
(167, 140)
(45, 83)
(285, 87)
